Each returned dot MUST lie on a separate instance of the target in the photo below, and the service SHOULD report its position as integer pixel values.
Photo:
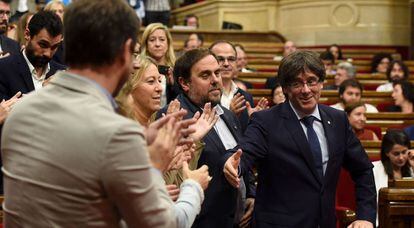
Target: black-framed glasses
(4, 12)
(230, 59)
(311, 82)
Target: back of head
(350, 69)
(326, 55)
(96, 31)
(298, 63)
(182, 68)
(45, 20)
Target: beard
(3, 26)
(36, 61)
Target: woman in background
(157, 43)
(356, 116)
(403, 96)
(380, 63)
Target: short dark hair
(403, 67)
(223, 42)
(239, 46)
(349, 83)
(96, 31)
(407, 90)
(391, 138)
(6, 1)
(326, 55)
(376, 60)
(190, 16)
(183, 65)
(299, 62)
(45, 20)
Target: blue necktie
(314, 143)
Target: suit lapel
(24, 73)
(329, 129)
(295, 130)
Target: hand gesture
(152, 130)
(247, 217)
(6, 106)
(173, 107)
(200, 175)
(161, 150)
(4, 54)
(204, 122)
(261, 105)
(231, 168)
(169, 77)
(237, 104)
(173, 191)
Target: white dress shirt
(223, 131)
(227, 97)
(318, 127)
(37, 80)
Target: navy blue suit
(244, 116)
(15, 75)
(219, 205)
(290, 193)
(9, 46)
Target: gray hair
(348, 67)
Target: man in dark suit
(299, 148)
(197, 73)
(27, 70)
(7, 45)
(233, 98)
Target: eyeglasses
(4, 12)
(230, 59)
(312, 82)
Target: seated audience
(242, 59)
(403, 96)
(350, 91)
(380, 63)
(397, 71)
(191, 20)
(394, 155)
(344, 71)
(288, 47)
(336, 52)
(357, 119)
(278, 96)
(329, 62)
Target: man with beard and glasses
(27, 70)
(7, 45)
(198, 74)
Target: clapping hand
(231, 168)
(261, 105)
(204, 122)
(237, 104)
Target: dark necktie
(314, 143)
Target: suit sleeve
(356, 161)
(4, 91)
(135, 187)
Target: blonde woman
(156, 42)
(57, 7)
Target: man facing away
(69, 160)
(299, 148)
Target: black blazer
(15, 75)
(9, 45)
(219, 205)
(289, 191)
(244, 116)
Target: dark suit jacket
(15, 75)
(9, 45)
(244, 116)
(219, 205)
(289, 191)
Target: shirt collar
(32, 68)
(219, 110)
(100, 88)
(233, 88)
(301, 115)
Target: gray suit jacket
(69, 160)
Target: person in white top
(350, 91)
(397, 71)
(394, 156)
